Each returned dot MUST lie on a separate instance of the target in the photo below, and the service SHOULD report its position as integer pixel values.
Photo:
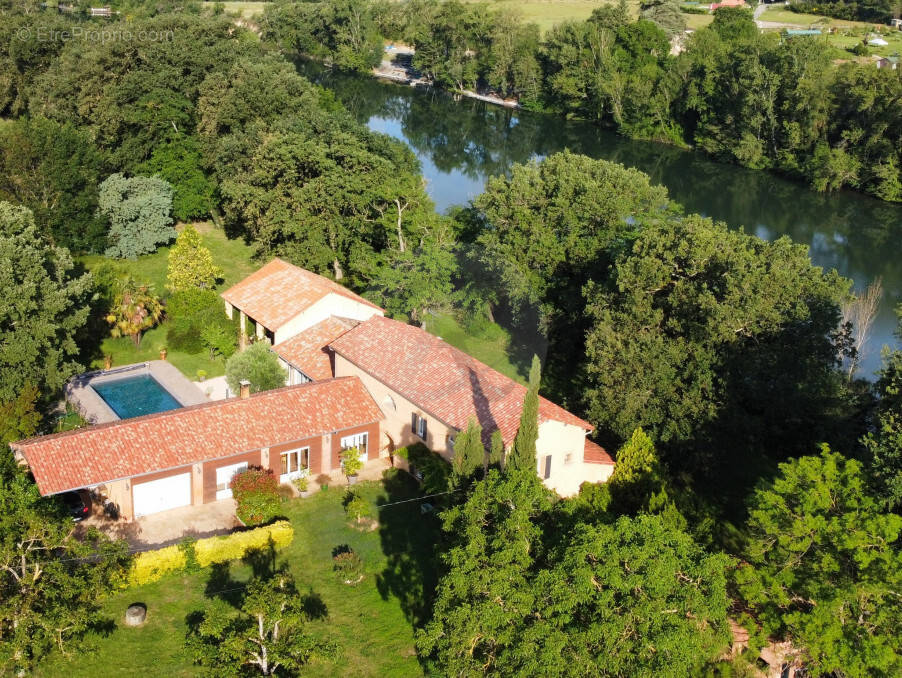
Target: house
(187, 456)
(428, 391)
(280, 301)
(307, 356)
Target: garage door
(162, 494)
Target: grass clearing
(246, 10)
(372, 622)
(233, 256)
(847, 35)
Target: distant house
(188, 456)
(280, 301)
(891, 62)
(726, 3)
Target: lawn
(233, 256)
(372, 622)
(849, 33)
(245, 10)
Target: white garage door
(162, 494)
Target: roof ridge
(179, 411)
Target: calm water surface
(461, 142)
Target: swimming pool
(133, 396)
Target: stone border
(95, 410)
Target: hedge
(235, 545)
(150, 566)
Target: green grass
(372, 623)
(246, 10)
(233, 256)
(490, 346)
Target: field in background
(849, 33)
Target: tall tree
(824, 569)
(487, 594)
(634, 598)
(135, 309)
(266, 638)
(714, 341)
(42, 307)
(469, 452)
(523, 453)
(54, 170)
(190, 263)
(884, 442)
(638, 482)
(139, 210)
(181, 164)
(51, 583)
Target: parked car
(78, 503)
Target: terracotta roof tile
(176, 438)
(309, 350)
(442, 380)
(279, 291)
(596, 454)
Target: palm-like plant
(135, 309)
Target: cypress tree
(496, 453)
(523, 455)
(469, 452)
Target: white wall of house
(565, 445)
(331, 304)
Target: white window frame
(296, 377)
(222, 488)
(359, 440)
(301, 469)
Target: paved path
(760, 9)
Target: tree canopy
(823, 567)
(139, 210)
(43, 305)
(258, 365)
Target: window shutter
(425, 424)
(413, 422)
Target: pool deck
(95, 411)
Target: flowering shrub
(149, 566)
(256, 491)
(347, 565)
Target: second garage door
(161, 495)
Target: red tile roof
(442, 380)
(596, 454)
(180, 437)
(308, 351)
(279, 291)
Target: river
(461, 142)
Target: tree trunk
(336, 269)
(136, 339)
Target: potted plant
(351, 464)
(163, 353)
(108, 361)
(302, 485)
(201, 375)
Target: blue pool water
(134, 396)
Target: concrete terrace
(95, 411)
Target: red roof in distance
(165, 440)
(279, 291)
(442, 380)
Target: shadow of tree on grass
(410, 541)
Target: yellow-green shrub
(235, 545)
(152, 565)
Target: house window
(546, 467)
(451, 439)
(297, 377)
(358, 440)
(293, 462)
(418, 425)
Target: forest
(758, 478)
(761, 100)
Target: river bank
(460, 142)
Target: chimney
(245, 391)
